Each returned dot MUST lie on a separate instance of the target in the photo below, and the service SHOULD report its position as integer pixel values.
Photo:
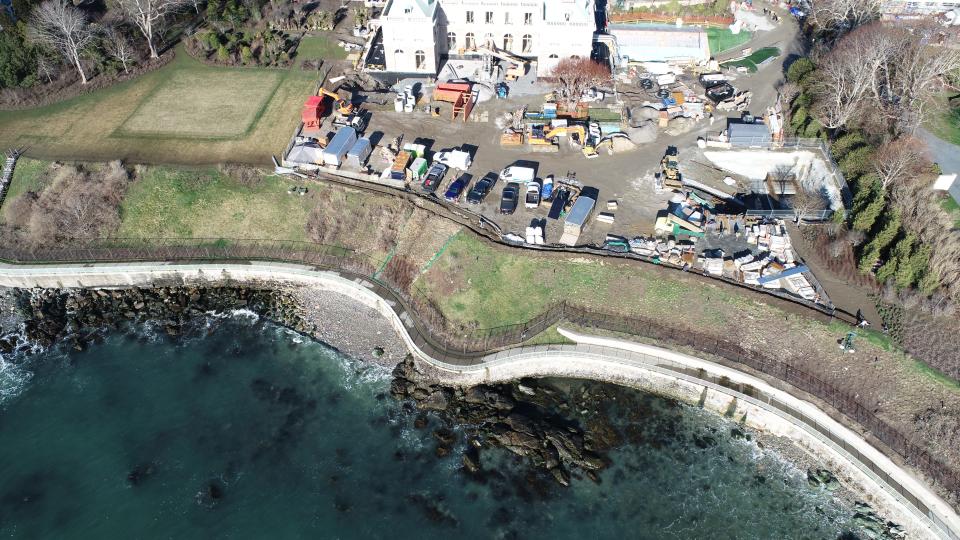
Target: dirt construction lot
(626, 177)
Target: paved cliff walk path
(720, 388)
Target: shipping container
(358, 154)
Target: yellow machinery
(575, 131)
(343, 106)
(537, 135)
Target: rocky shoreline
(78, 317)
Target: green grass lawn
(754, 60)
(246, 114)
(492, 287)
(314, 47)
(203, 203)
(186, 105)
(722, 39)
(29, 175)
(951, 206)
(944, 121)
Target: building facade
(418, 33)
(912, 9)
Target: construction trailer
(460, 95)
(358, 153)
(577, 219)
(338, 147)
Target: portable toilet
(338, 147)
(418, 169)
(358, 154)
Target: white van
(521, 175)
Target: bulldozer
(670, 169)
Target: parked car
(456, 158)
(456, 189)
(533, 195)
(481, 189)
(434, 177)
(509, 198)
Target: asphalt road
(947, 155)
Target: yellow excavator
(575, 131)
(344, 107)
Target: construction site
(665, 161)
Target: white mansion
(416, 33)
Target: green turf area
(246, 114)
(722, 39)
(186, 105)
(319, 46)
(203, 203)
(754, 60)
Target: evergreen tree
(912, 268)
(843, 145)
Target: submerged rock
(520, 418)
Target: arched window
(470, 42)
(419, 59)
(527, 43)
(451, 41)
(508, 42)
(488, 40)
(554, 57)
(397, 56)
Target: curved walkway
(685, 377)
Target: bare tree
(574, 76)
(843, 14)
(61, 26)
(150, 16)
(117, 45)
(808, 198)
(920, 71)
(898, 158)
(843, 79)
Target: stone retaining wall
(690, 379)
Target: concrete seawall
(727, 391)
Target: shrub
(857, 162)
(223, 54)
(799, 69)
(843, 145)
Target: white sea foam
(14, 378)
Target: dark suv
(510, 197)
(481, 189)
